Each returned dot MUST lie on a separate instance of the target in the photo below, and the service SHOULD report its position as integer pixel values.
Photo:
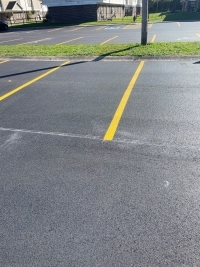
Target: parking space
(164, 106)
(16, 73)
(76, 98)
(176, 31)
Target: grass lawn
(151, 49)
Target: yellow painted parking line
(11, 40)
(101, 28)
(57, 29)
(120, 109)
(2, 36)
(32, 81)
(153, 39)
(32, 31)
(109, 40)
(8, 33)
(70, 40)
(35, 41)
(198, 34)
(135, 26)
(75, 29)
(4, 61)
(126, 27)
(178, 24)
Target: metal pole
(144, 22)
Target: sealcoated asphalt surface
(109, 34)
(99, 162)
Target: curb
(102, 58)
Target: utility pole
(144, 22)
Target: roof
(13, 5)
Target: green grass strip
(134, 49)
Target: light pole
(144, 22)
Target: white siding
(80, 2)
(91, 2)
(134, 3)
(68, 2)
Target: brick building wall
(71, 14)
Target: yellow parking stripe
(11, 40)
(178, 24)
(35, 41)
(32, 81)
(118, 114)
(126, 27)
(70, 40)
(198, 34)
(9, 33)
(4, 61)
(153, 39)
(136, 26)
(57, 29)
(132, 26)
(32, 31)
(109, 40)
(75, 29)
(101, 28)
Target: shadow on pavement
(99, 58)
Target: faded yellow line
(153, 39)
(9, 33)
(150, 25)
(57, 29)
(75, 29)
(11, 40)
(101, 28)
(4, 61)
(127, 26)
(178, 24)
(35, 41)
(32, 31)
(118, 114)
(32, 81)
(198, 34)
(69, 41)
(109, 40)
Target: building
(189, 5)
(70, 11)
(20, 10)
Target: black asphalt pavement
(71, 198)
(127, 33)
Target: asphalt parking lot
(157, 32)
(100, 163)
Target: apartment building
(12, 11)
(90, 10)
